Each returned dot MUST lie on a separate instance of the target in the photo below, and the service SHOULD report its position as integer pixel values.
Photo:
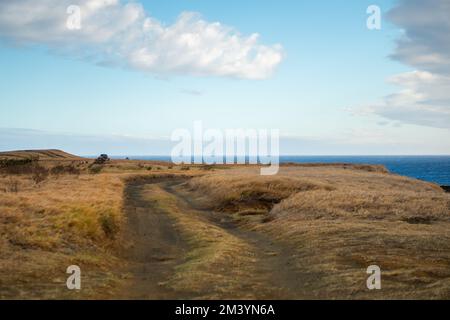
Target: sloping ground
(50, 154)
(308, 232)
(339, 222)
(65, 220)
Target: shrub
(14, 162)
(60, 169)
(17, 166)
(95, 169)
(39, 174)
(109, 224)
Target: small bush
(109, 224)
(39, 174)
(95, 169)
(14, 162)
(60, 169)
(17, 166)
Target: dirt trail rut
(158, 248)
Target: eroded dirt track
(160, 251)
(156, 247)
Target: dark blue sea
(429, 168)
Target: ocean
(429, 168)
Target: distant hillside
(49, 154)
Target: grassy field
(339, 221)
(62, 221)
(322, 225)
(39, 154)
(60, 211)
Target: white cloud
(425, 44)
(117, 32)
(423, 100)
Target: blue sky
(325, 91)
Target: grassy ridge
(48, 154)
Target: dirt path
(160, 249)
(156, 247)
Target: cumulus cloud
(424, 98)
(122, 33)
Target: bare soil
(159, 248)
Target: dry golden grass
(339, 220)
(242, 189)
(65, 220)
(336, 219)
(50, 154)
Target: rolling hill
(47, 154)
